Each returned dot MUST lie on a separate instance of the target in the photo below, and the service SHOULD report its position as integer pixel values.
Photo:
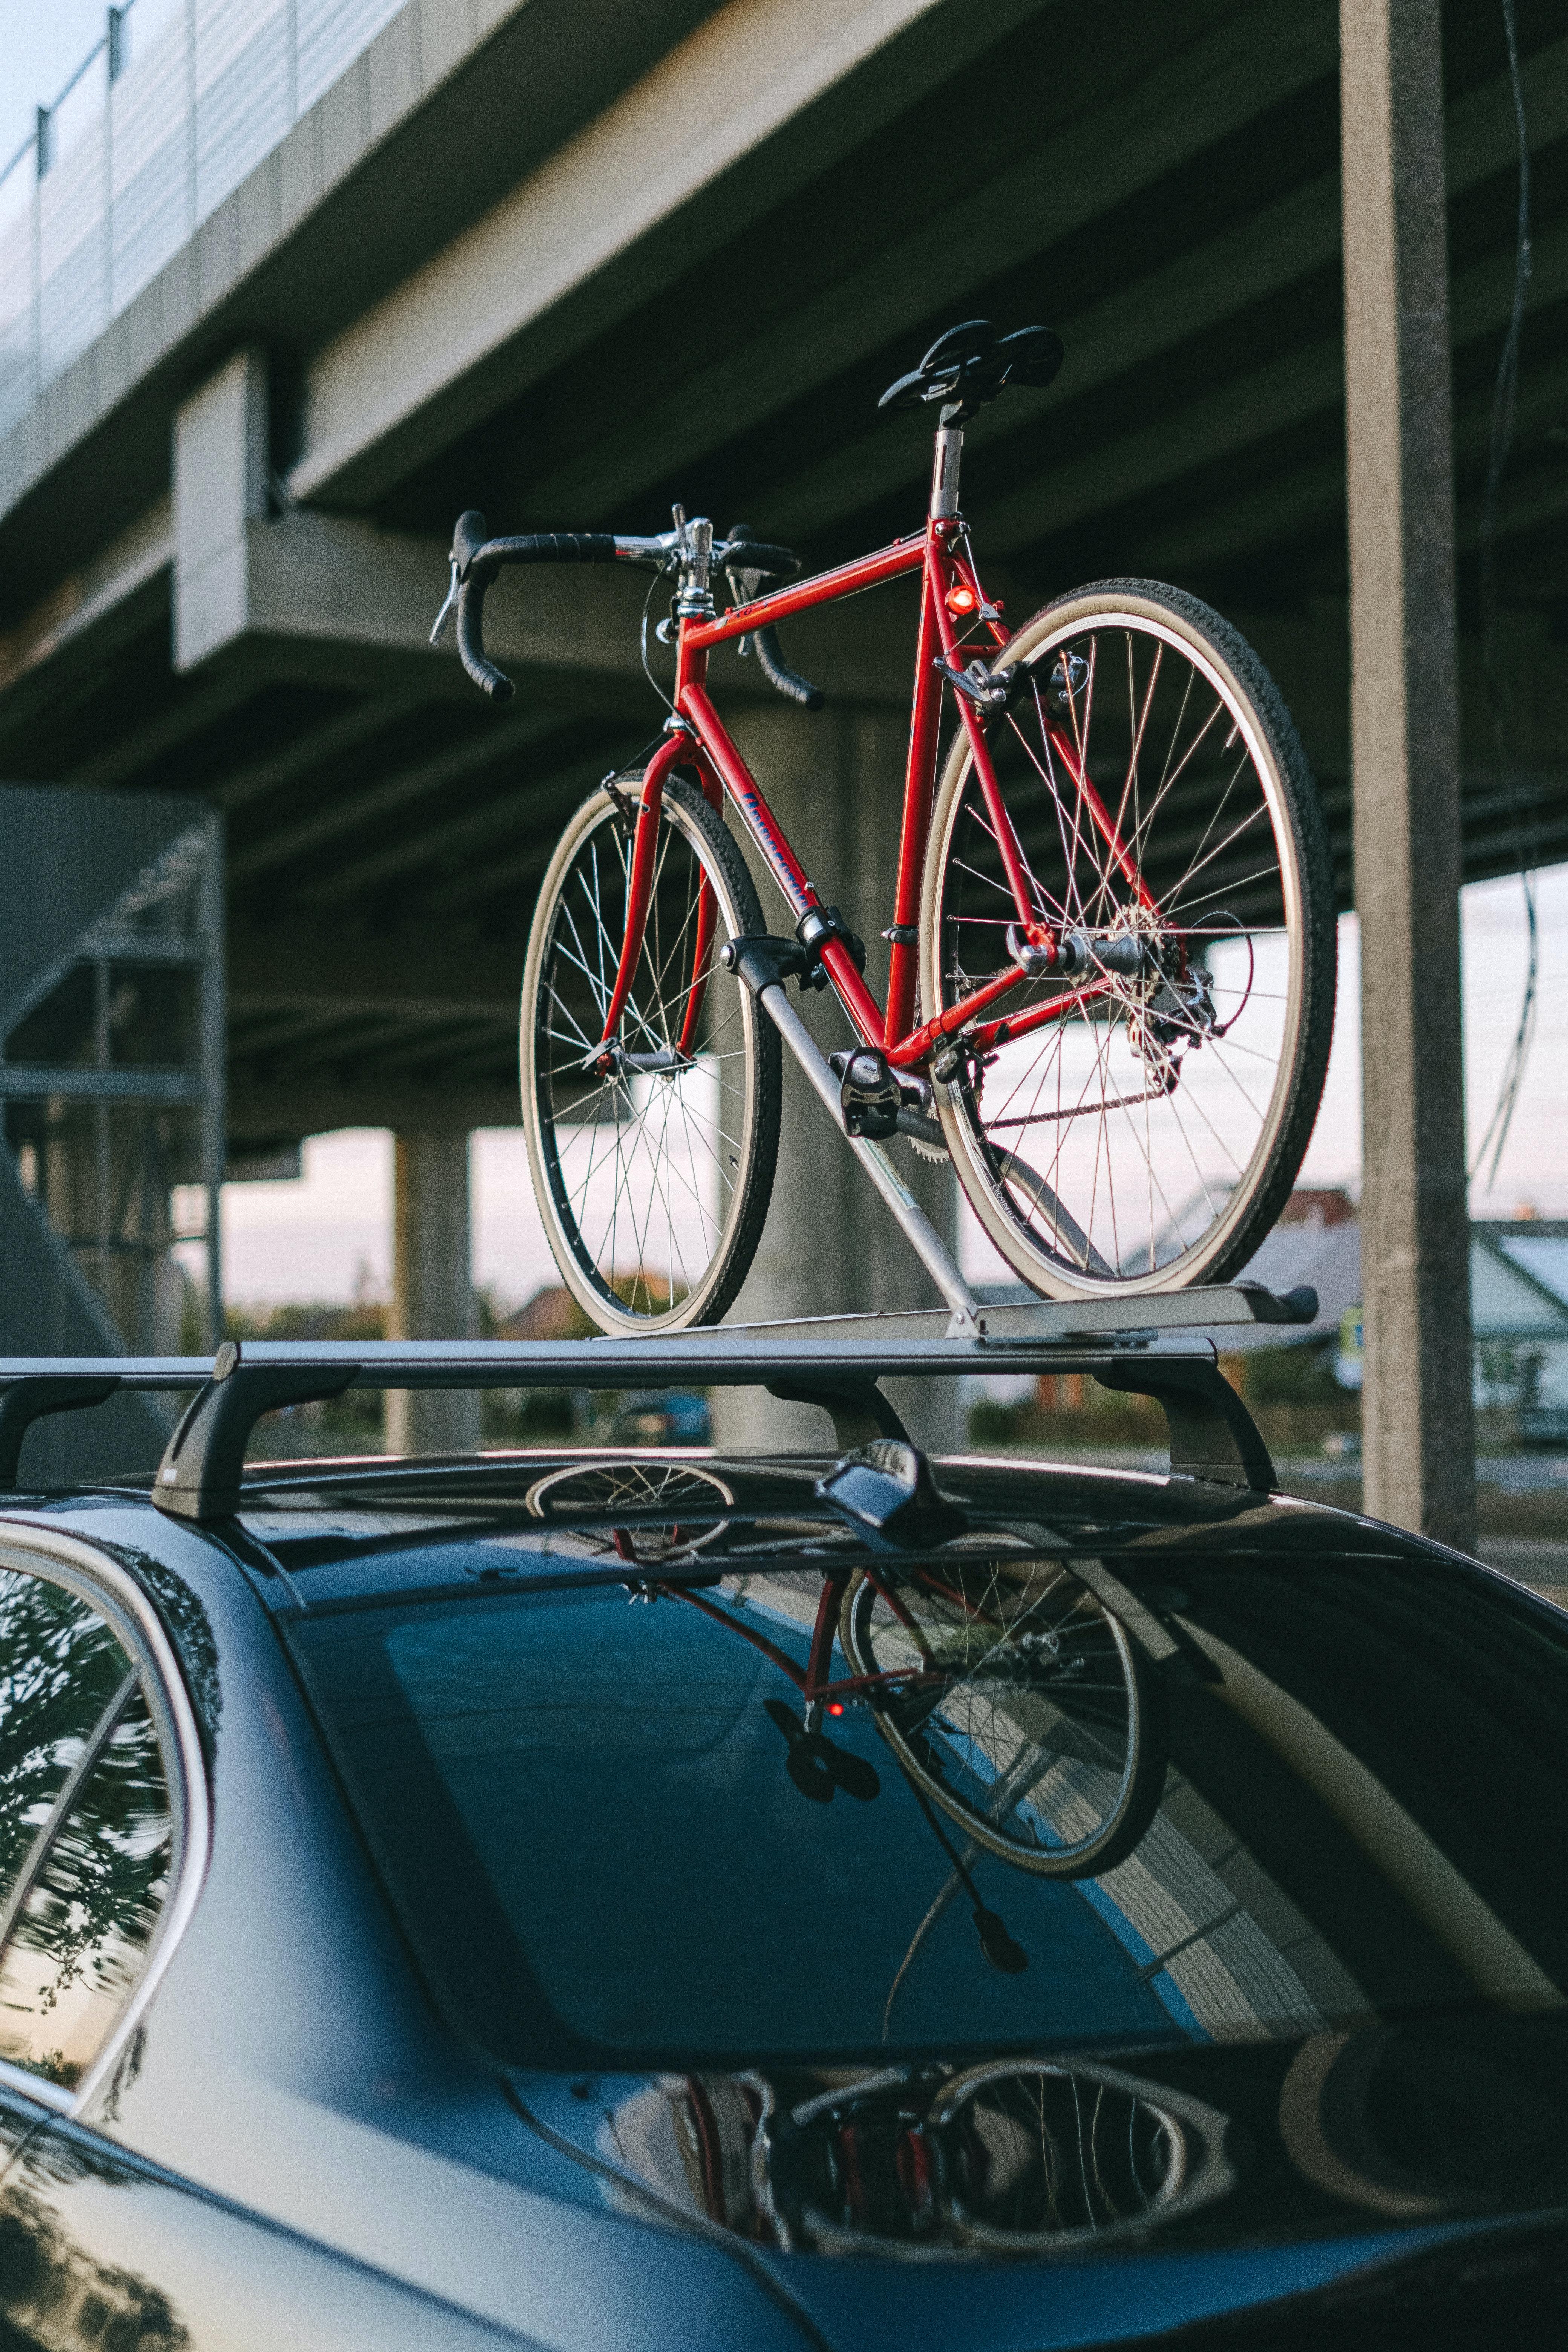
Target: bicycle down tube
(700, 740)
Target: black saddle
(971, 364)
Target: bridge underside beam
(1163, 187)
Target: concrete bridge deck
(568, 260)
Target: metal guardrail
(163, 120)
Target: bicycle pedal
(870, 1094)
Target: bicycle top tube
(846, 580)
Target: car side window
(59, 1668)
(86, 1827)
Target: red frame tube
(707, 747)
(640, 884)
(1104, 821)
(980, 751)
(810, 1680)
(824, 588)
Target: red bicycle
(1013, 1698)
(1111, 978)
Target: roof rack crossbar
(1212, 1434)
(835, 1362)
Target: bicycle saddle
(971, 364)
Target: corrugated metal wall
(111, 1096)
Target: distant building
(1518, 1306)
(1519, 1297)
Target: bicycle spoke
(1164, 1088)
(643, 1166)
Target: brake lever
(440, 630)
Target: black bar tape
(471, 636)
(757, 555)
(779, 675)
(549, 546)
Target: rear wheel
(1019, 1706)
(652, 1161)
(1136, 1125)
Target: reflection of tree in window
(57, 2292)
(80, 1939)
(59, 1668)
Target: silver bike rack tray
(836, 1364)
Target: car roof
(368, 1527)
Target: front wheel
(1135, 1122)
(652, 1157)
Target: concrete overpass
(568, 262)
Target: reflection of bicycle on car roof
(1013, 1699)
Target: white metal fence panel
(73, 232)
(151, 159)
(243, 98)
(18, 300)
(331, 33)
(144, 147)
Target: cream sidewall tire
(593, 814)
(1043, 1273)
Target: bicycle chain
(1082, 1110)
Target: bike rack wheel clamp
(836, 1364)
(763, 965)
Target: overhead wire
(1504, 408)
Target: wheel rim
(640, 1172)
(1124, 1140)
(647, 1500)
(1020, 1714)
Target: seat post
(945, 469)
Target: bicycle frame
(699, 739)
(813, 1681)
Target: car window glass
(619, 1844)
(82, 1934)
(59, 1668)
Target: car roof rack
(835, 1362)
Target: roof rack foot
(1213, 1435)
(199, 1475)
(25, 1400)
(857, 1409)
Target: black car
(611, 1901)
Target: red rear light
(836, 1707)
(960, 599)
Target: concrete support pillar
(1405, 735)
(219, 490)
(836, 783)
(432, 1288)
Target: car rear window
(616, 1840)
